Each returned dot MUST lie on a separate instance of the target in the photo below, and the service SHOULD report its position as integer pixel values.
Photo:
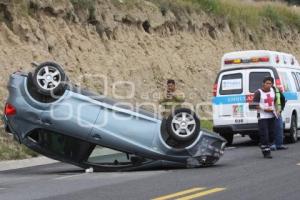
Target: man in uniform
(171, 99)
(263, 101)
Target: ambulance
(240, 76)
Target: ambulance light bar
(251, 60)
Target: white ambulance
(240, 76)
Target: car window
(61, 145)
(256, 79)
(285, 81)
(231, 84)
(296, 81)
(105, 155)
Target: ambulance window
(296, 81)
(231, 84)
(256, 79)
(285, 81)
(298, 78)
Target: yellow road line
(201, 194)
(177, 194)
(69, 176)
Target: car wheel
(183, 125)
(255, 138)
(228, 137)
(293, 136)
(49, 78)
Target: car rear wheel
(183, 125)
(49, 78)
(228, 137)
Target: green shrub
(207, 124)
(239, 14)
(85, 4)
(271, 14)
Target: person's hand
(169, 95)
(268, 110)
(278, 113)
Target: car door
(228, 105)
(73, 115)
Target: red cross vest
(266, 102)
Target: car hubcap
(48, 78)
(183, 124)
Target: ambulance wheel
(228, 137)
(183, 125)
(293, 136)
(254, 138)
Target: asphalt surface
(241, 173)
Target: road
(242, 173)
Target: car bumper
(9, 130)
(236, 128)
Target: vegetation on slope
(240, 14)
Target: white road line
(31, 162)
(70, 176)
(2, 188)
(298, 164)
(230, 148)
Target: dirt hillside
(135, 41)
(140, 42)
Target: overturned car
(48, 114)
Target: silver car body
(98, 120)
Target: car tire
(49, 78)
(228, 137)
(183, 125)
(255, 138)
(293, 136)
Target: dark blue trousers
(266, 132)
(278, 131)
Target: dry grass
(10, 149)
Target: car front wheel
(183, 125)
